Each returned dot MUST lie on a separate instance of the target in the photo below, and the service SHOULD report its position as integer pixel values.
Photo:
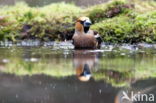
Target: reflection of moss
(114, 68)
(20, 67)
(145, 69)
(117, 21)
(23, 61)
(121, 70)
(117, 63)
(115, 78)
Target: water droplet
(33, 59)
(17, 96)
(39, 82)
(100, 91)
(123, 54)
(5, 60)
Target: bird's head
(83, 24)
(83, 73)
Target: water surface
(55, 73)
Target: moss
(117, 21)
(128, 26)
(42, 23)
(123, 29)
(109, 10)
(118, 29)
(145, 25)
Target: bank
(116, 21)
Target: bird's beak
(87, 23)
(86, 70)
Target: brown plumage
(84, 61)
(84, 38)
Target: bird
(84, 62)
(84, 38)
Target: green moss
(45, 22)
(118, 29)
(117, 21)
(109, 10)
(123, 29)
(145, 25)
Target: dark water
(55, 73)
(46, 2)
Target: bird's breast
(84, 41)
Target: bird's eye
(82, 22)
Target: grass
(118, 21)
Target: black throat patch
(86, 29)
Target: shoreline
(116, 21)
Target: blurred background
(45, 2)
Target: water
(34, 72)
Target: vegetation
(122, 22)
(49, 22)
(113, 67)
(116, 21)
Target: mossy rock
(44, 23)
(116, 30)
(116, 21)
(145, 26)
(110, 10)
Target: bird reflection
(84, 61)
